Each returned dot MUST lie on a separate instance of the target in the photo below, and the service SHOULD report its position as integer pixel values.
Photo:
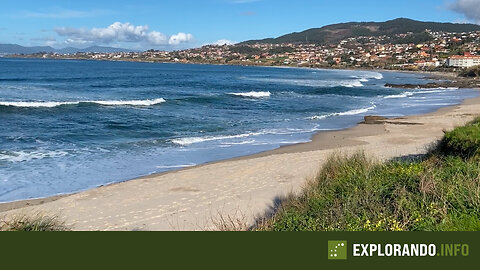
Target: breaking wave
(402, 95)
(192, 140)
(52, 104)
(366, 77)
(21, 156)
(351, 112)
(252, 94)
(422, 91)
(311, 82)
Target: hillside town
(438, 51)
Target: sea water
(68, 125)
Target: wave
(193, 140)
(21, 156)
(350, 83)
(20, 87)
(370, 75)
(253, 141)
(52, 104)
(422, 91)
(36, 104)
(176, 166)
(240, 143)
(378, 76)
(252, 94)
(351, 112)
(402, 95)
(147, 102)
(441, 88)
(438, 90)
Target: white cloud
(469, 8)
(222, 42)
(180, 38)
(157, 38)
(121, 32)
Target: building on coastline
(463, 61)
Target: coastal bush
(34, 222)
(440, 192)
(463, 141)
(470, 72)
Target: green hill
(336, 32)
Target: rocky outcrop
(373, 119)
(460, 83)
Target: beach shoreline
(322, 141)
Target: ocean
(68, 125)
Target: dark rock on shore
(460, 83)
(373, 119)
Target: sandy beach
(245, 187)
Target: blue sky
(187, 23)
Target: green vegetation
(472, 72)
(415, 38)
(336, 32)
(245, 50)
(281, 50)
(463, 141)
(35, 222)
(440, 192)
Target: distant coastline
(452, 78)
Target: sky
(178, 24)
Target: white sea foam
(369, 75)
(438, 90)
(38, 104)
(193, 140)
(21, 156)
(51, 104)
(351, 112)
(378, 76)
(312, 82)
(442, 88)
(402, 95)
(422, 91)
(351, 84)
(176, 166)
(240, 143)
(147, 102)
(252, 94)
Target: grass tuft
(230, 223)
(33, 222)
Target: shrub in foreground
(463, 141)
(356, 194)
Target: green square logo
(337, 250)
